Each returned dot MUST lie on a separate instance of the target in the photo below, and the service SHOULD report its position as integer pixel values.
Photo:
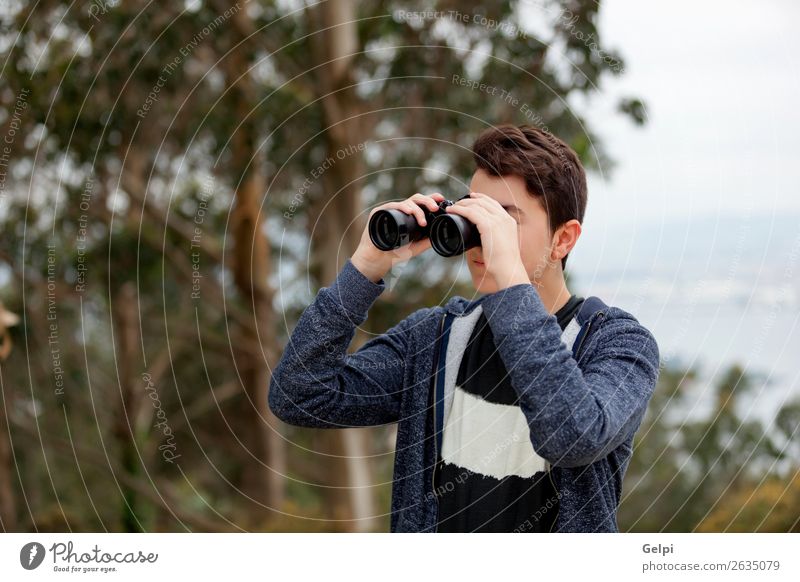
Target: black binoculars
(450, 234)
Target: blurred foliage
(714, 471)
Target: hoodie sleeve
(576, 416)
(318, 384)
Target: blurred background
(177, 180)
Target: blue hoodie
(582, 411)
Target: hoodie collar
(458, 305)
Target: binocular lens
(448, 235)
(384, 231)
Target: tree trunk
(127, 342)
(338, 222)
(263, 478)
(8, 519)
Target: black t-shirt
(490, 479)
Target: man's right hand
(375, 263)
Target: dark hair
(551, 169)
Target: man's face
(533, 231)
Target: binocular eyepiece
(450, 234)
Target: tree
(717, 472)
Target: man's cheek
(538, 264)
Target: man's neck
(554, 293)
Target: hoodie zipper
(435, 373)
(586, 333)
(549, 467)
(553, 481)
(433, 410)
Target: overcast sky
(720, 81)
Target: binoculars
(450, 234)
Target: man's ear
(565, 238)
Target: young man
(516, 410)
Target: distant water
(766, 343)
(714, 291)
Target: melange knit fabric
(582, 411)
(490, 478)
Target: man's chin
(483, 283)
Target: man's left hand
(499, 238)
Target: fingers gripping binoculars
(450, 234)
